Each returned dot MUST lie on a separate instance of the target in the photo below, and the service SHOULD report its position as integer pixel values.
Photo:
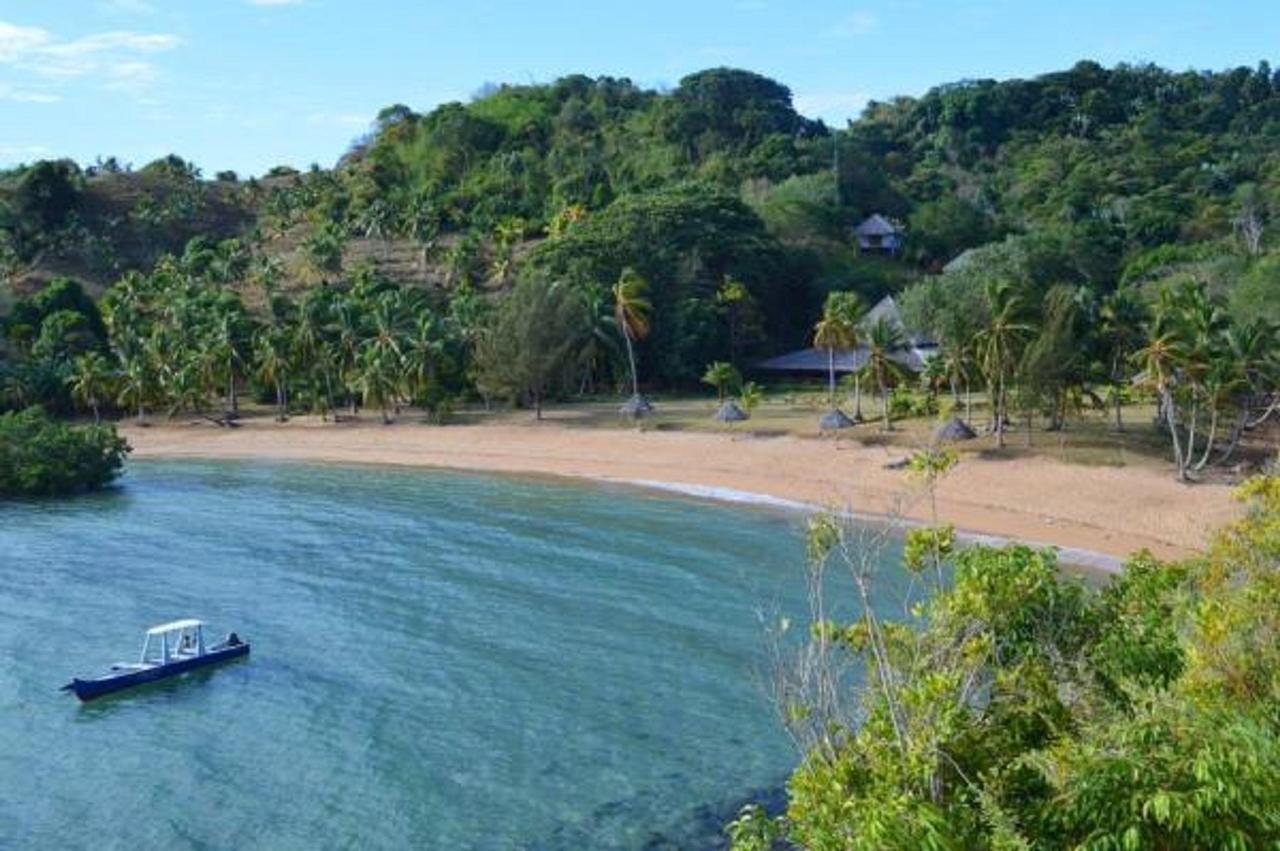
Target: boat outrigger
(168, 650)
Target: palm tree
(883, 340)
(720, 375)
(631, 310)
(90, 381)
(998, 345)
(600, 341)
(272, 353)
(136, 384)
(378, 376)
(838, 329)
(1122, 316)
(1159, 360)
(348, 327)
(423, 352)
(380, 364)
(831, 333)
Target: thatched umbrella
(635, 407)
(834, 420)
(729, 412)
(954, 429)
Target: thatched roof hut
(730, 412)
(637, 406)
(953, 430)
(835, 419)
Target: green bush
(40, 456)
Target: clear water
(440, 660)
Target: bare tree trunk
(1236, 433)
(857, 396)
(1208, 447)
(631, 358)
(884, 400)
(831, 377)
(998, 412)
(1115, 395)
(1171, 418)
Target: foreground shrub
(1018, 708)
(40, 456)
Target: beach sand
(1111, 511)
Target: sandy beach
(1107, 510)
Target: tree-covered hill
(1092, 177)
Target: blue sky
(247, 84)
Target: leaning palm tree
(90, 381)
(1159, 361)
(884, 339)
(631, 309)
(998, 346)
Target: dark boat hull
(89, 689)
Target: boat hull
(92, 688)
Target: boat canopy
(174, 626)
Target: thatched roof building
(954, 430)
(912, 356)
(730, 412)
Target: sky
(248, 84)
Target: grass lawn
(1089, 437)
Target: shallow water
(440, 660)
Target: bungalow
(878, 235)
(913, 355)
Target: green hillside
(1096, 178)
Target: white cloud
(16, 41)
(115, 58)
(10, 93)
(857, 23)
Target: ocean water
(440, 660)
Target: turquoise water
(440, 660)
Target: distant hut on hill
(878, 235)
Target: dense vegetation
(1106, 234)
(1110, 233)
(1016, 708)
(40, 456)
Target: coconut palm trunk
(884, 400)
(831, 377)
(631, 359)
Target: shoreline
(1095, 516)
